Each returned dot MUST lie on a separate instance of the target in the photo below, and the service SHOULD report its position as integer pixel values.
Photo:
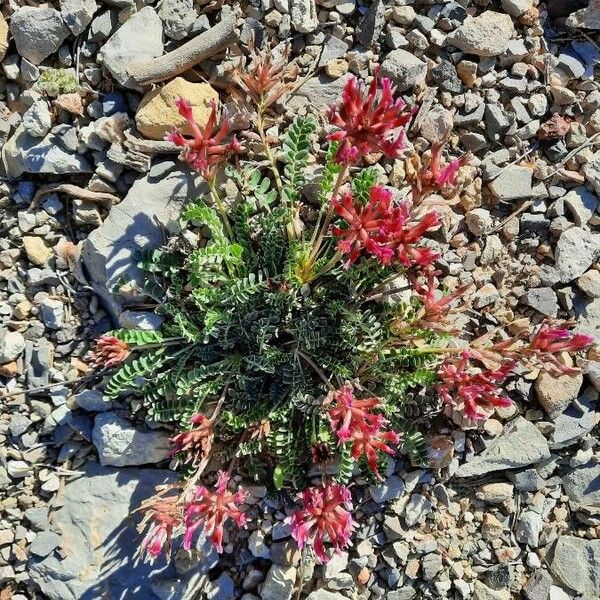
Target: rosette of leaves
(251, 331)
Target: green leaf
(296, 148)
(278, 478)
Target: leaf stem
(220, 206)
(260, 125)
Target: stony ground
(510, 511)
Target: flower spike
(109, 351)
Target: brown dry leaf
(71, 103)
(81, 367)
(555, 127)
(68, 251)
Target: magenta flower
(386, 231)
(195, 444)
(206, 150)
(475, 393)
(164, 515)
(324, 517)
(370, 121)
(209, 510)
(554, 340)
(354, 422)
(109, 351)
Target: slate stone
(582, 484)
(371, 25)
(576, 250)
(576, 563)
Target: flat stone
(516, 8)
(576, 250)
(178, 17)
(483, 592)
(404, 69)
(582, 205)
(485, 35)
(157, 114)
(556, 393)
(78, 14)
(100, 542)
(120, 444)
(304, 15)
(576, 563)
(514, 183)
(45, 542)
(582, 484)
(12, 344)
(279, 583)
(538, 585)
(371, 24)
(520, 445)
(417, 509)
(325, 595)
(139, 39)
(323, 91)
(528, 529)
(589, 283)
(109, 252)
(92, 401)
(392, 487)
(543, 300)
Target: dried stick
(70, 189)
(191, 53)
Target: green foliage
(362, 184)
(130, 373)
(296, 149)
(58, 81)
(137, 337)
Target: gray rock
(257, 546)
(392, 487)
(109, 253)
(100, 541)
(576, 250)
(78, 14)
(120, 444)
(513, 183)
(571, 64)
(576, 563)
(332, 48)
(134, 319)
(140, 38)
(582, 205)
(589, 283)
(591, 170)
(575, 422)
(38, 32)
(417, 509)
(52, 313)
(223, 589)
(37, 119)
(516, 8)
(178, 17)
(485, 35)
(497, 122)
(38, 517)
(325, 595)
(40, 361)
(431, 565)
(527, 481)
(529, 527)
(322, 91)
(543, 300)
(304, 15)
(538, 585)
(45, 542)
(92, 401)
(404, 593)
(582, 484)
(371, 25)
(12, 344)
(279, 583)
(519, 445)
(404, 69)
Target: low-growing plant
(296, 331)
(58, 81)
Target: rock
(485, 35)
(528, 480)
(332, 48)
(38, 517)
(491, 527)
(304, 15)
(577, 420)
(529, 527)
(404, 69)
(478, 221)
(591, 170)
(576, 563)
(279, 583)
(37, 252)
(56, 154)
(513, 183)
(371, 25)
(322, 91)
(516, 8)
(581, 204)
(446, 76)
(3, 37)
(100, 542)
(589, 283)
(38, 32)
(588, 18)
(520, 445)
(120, 444)
(134, 319)
(543, 300)
(78, 14)
(417, 509)
(157, 114)
(12, 344)
(178, 17)
(257, 546)
(495, 493)
(325, 595)
(576, 250)
(109, 252)
(92, 401)
(45, 542)
(393, 487)
(538, 586)
(556, 393)
(582, 484)
(37, 120)
(483, 592)
(437, 124)
(140, 38)
(52, 313)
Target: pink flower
(109, 351)
(164, 515)
(554, 340)
(196, 443)
(369, 122)
(206, 150)
(384, 230)
(476, 393)
(353, 421)
(324, 517)
(209, 510)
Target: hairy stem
(220, 207)
(260, 125)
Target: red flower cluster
(195, 444)
(324, 516)
(385, 230)
(369, 122)
(165, 516)
(210, 510)
(554, 340)
(109, 351)
(206, 150)
(474, 392)
(354, 422)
